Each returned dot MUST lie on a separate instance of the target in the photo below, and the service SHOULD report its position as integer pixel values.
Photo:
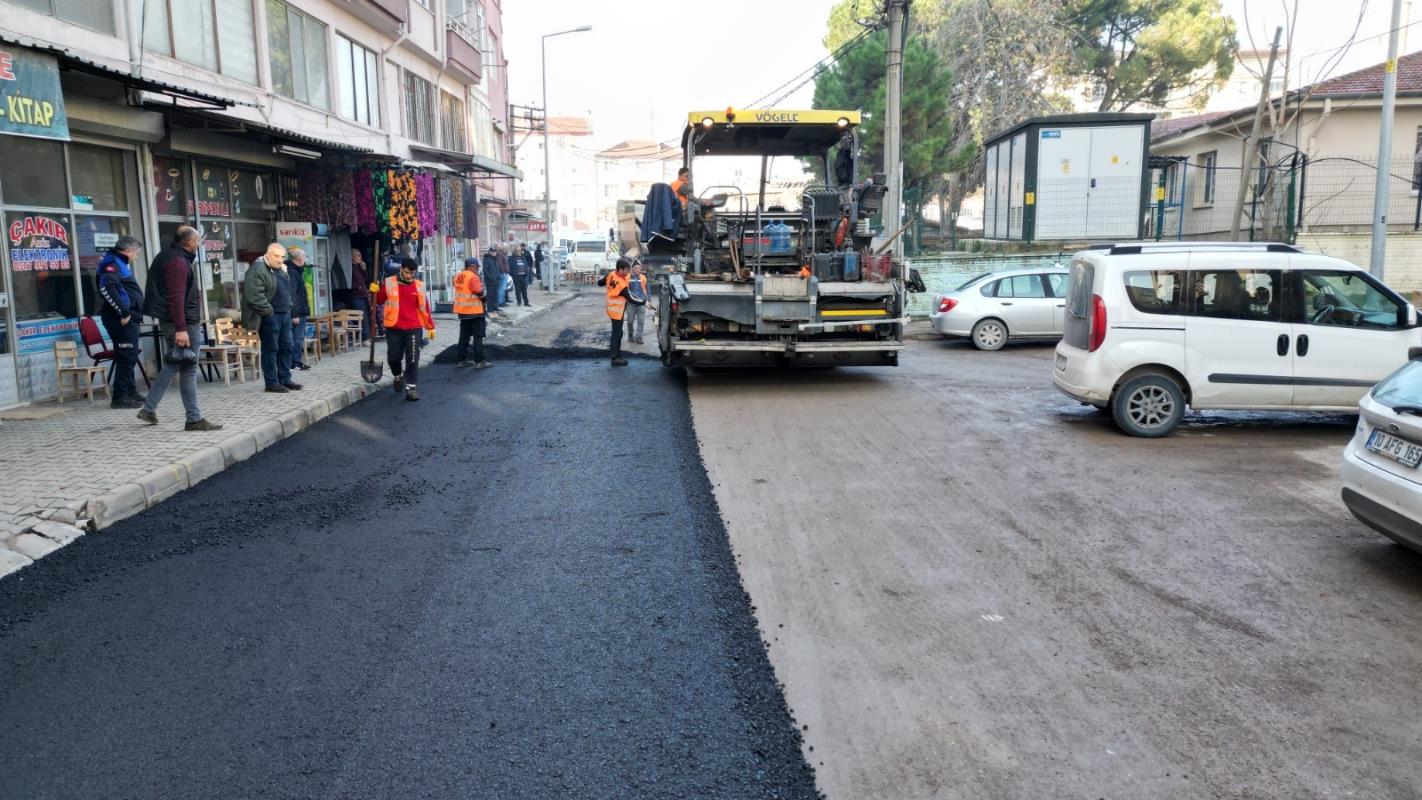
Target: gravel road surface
(976, 588)
(517, 588)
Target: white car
(1382, 482)
(1154, 327)
(994, 307)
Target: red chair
(92, 338)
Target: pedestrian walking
(491, 280)
(637, 310)
(618, 297)
(266, 309)
(469, 305)
(300, 306)
(360, 301)
(520, 268)
(174, 298)
(407, 319)
(121, 310)
(538, 259)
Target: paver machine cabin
(744, 280)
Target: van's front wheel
(1149, 406)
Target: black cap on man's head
(471, 262)
(410, 264)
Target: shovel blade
(372, 371)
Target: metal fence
(1334, 194)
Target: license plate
(1395, 448)
(1061, 362)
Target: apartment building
(377, 125)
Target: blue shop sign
(31, 100)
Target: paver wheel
(1149, 406)
(990, 334)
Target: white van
(1153, 327)
(589, 254)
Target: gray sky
(1324, 26)
(647, 63)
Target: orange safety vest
(676, 190)
(392, 303)
(616, 306)
(467, 288)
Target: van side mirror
(1411, 316)
(1414, 353)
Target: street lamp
(551, 269)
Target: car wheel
(989, 334)
(1150, 406)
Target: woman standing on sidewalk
(407, 321)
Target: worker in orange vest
(618, 297)
(407, 320)
(469, 306)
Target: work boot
(483, 365)
(148, 416)
(277, 388)
(399, 384)
(125, 402)
(292, 386)
(202, 425)
(465, 363)
(411, 394)
(619, 362)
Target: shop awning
(466, 162)
(71, 61)
(226, 124)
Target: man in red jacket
(407, 320)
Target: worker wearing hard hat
(618, 296)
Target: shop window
(212, 186)
(451, 123)
(170, 187)
(253, 194)
(217, 261)
(419, 109)
(97, 178)
(32, 173)
(41, 266)
(358, 82)
(96, 15)
(297, 44)
(218, 35)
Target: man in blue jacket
(521, 269)
(121, 309)
(300, 306)
(493, 280)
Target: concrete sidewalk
(78, 467)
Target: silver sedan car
(994, 307)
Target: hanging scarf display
(340, 198)
(380, 188)
(364, 205)
(471, 210)
(404, 209)
(446, 207)
(426, 208)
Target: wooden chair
(249, 349)
(350, 324)
(66, 364)
(226, 359)
(312, 344)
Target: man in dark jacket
(300, 306)
(121, 309)
(538, 261)
(174, 298)
(520, 269)
(360, 291)
(492, 278)
(266, 309)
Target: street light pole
(1389, 101)
(551, 271)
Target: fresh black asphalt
(519, 587)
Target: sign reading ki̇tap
(33, 100)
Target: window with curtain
(419, 108)
(451, 123)
(358, 82)
(483, 130)
(217, 35)
(297, 45)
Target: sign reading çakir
(31, 101)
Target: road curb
(44, 536)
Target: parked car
(560, 257)
(1154, 327)
(994, 307)
(1382, 484)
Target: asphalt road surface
(517, 588)
(975, 588)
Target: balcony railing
(462, 52)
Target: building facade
(377, 125)
(573, 191)
(626, 172)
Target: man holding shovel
(407, 321)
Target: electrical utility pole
(893, 126)
(1389, 101)
(1251, 147)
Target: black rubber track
(519, 587)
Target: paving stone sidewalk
(88, 465)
